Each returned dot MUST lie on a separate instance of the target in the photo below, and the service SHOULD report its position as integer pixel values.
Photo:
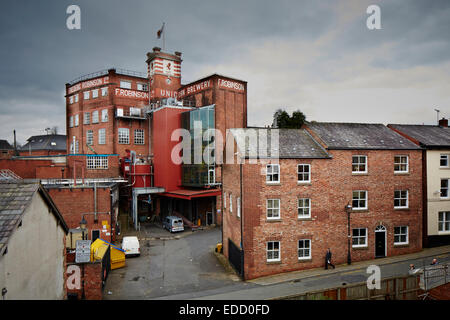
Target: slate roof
(291, 143)
(46, 142)
(4, 145)
(360, 136)
(15, 197)
(426, 135)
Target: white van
(131, 246)
(173, 224)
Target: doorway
(380, 242)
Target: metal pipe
(95, 201)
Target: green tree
(282, 119)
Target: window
(304, 208)
(104, 91)
(359, 164)
(124, 136)
(273, 251)
(86, 95)
(71, 121)
(304, 249)
(273, 209)
(87, 118)
(89, 137)
(225, 200)
(231, 203)
(303, 173)
(238, 205)
(401, 199)
(71, 99)
(444, 221)
(142, 86)
(400, 164)
(211, 175)
(444, 161)
(444, 188)
(139, 136)
(359, 238)
(401, 235)
(273, 173)
(359, 200)
(105, 115)
(101, 136)
(76, 97)
(94, 93)
(77, 147)
(125, 84)
(97, 162)
(77, 120)
(95, 116)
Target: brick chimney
(443, 123)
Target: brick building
(283, 215)
(44, 145)
(6, 150)
(435, 141)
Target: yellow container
(219, 247)
(117, 255)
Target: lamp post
(83, 224)
(348, 209)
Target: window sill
(273, 183)
(304, 183)
(305, 219)
(402, 173)
(304, 260)
(360, 210)
(402, 209)
(360, 248)
(273, 262)
(401, 245)
(443, 233)
(360, 174)
(273, 220)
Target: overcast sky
(316, 56)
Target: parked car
(173, 223)
(131, 246)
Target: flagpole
(164, 37)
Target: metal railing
(104, 72)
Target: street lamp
(83, 224)
(348, 209)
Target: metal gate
(236, 257)
(106, 265)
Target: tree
(282, 120)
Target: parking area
(171, 264)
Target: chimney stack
(15, 144)
(443, 123)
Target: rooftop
(45, 142)
(360, 136)
(15, 197)
(426, 135)
(291, 144)
(4, 145)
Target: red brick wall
(330, 190)
(74, 202)
(113, 170)
(42, 153)
(26, 169)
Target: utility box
(72, 237)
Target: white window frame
(95, 117)
(224, 199)
(444, 222)
(358, 164)
(303, 207)
(273, 208)
(359, 237)
(238, 207)
(445, 188)
(102, 136)
(303, 249)
(400, 198)
(90, 137)
(94, 93)
(360, 199)
(401, 234)
(76, 97)
(123, 136)
(104, 91)
(87, 118)
(125, 84)
(86, 95)
(304, 173)
(445, 156)
(271, 173)
(139, 139)
(70, 121)
(76, 120)
(231, 203)
(401, 163)
(273, 250)
(96, 162)
(144, 86)
(104, 115)
(70, 99)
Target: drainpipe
(95, 201)
(242, 221)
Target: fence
(395, 288)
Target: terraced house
(354, 188)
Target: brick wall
(332, 183)
(27, 169)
